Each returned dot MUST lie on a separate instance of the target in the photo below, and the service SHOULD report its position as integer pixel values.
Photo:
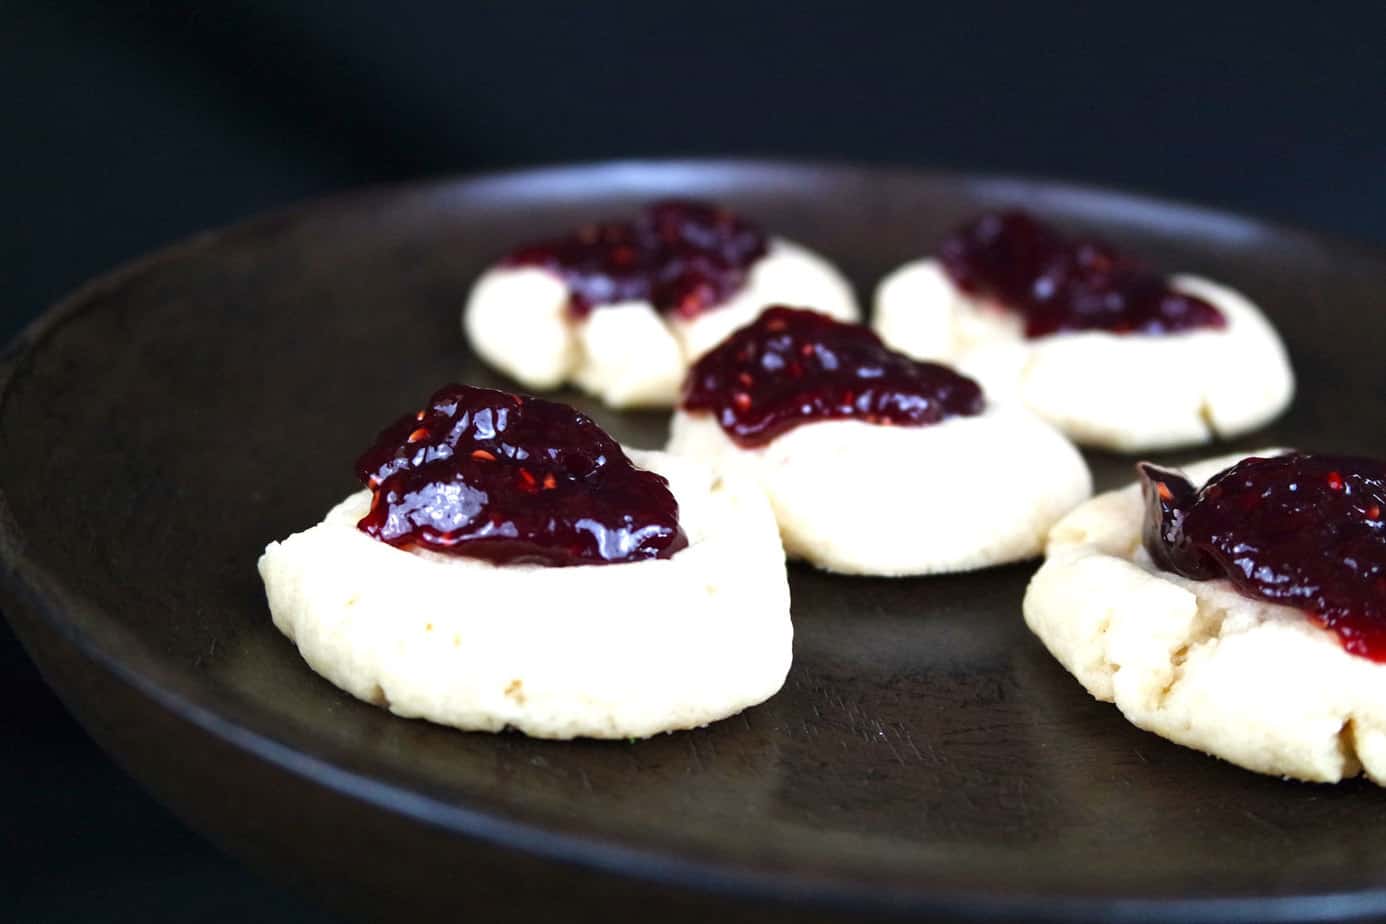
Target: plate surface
(926, 757)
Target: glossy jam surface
(793, 367)
(491, 475)
(1303, 530)
(683, 257)
(1059, 284)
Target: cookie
(874, 463)
(509, 565)
(1257, 683)
(623, 308)
(1127, 379)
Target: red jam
(1059, 284)
(486, 474)
(1302, 530)
(793, 367)
(682, 257)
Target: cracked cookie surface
(1255, 683)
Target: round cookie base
(1102, 389)
(1254, 683)
(599, 651)
(629, 354)
(898, 501)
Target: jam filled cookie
(873, 462)
(508, 564)
(622, 308)
(1086, 336)
(1239, 609)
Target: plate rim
(40, 594)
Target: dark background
(127, 126)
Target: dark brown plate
(926, 757)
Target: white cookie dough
(859, 498)
(1122, 392)
(629, 354)
(598, 651)
(1255, 683)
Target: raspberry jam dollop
(1059, 284)
(1300, 529)
(681, 256)
(793, 366)
(511, 479)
